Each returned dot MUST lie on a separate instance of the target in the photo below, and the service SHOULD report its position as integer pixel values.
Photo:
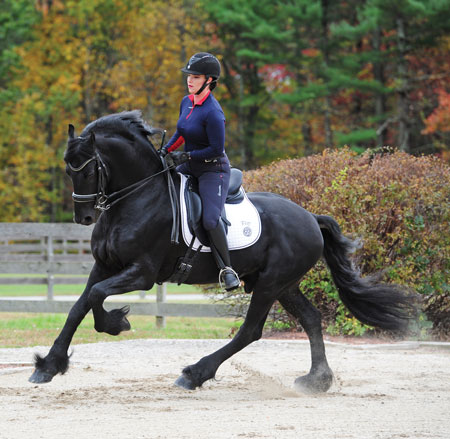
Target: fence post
(50, 275)
(161, 293)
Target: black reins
(104, 202)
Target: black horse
(114, 166)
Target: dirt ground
(125, 390)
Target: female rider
(201, 127)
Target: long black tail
(376, 304)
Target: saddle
(194, 203)
(243, 230)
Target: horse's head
(81, 167)
(116, 156)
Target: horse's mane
(127, 124)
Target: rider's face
(194, 82)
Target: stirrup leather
(222, 274)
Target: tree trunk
(86, 93)
(403, 88)
(380, 99)
(250, 118)
(52, 208)
(327, 109)
(241, 124)
(248, 115)
(307, 138)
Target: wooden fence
(59, 253)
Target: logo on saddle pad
(247, 230)
(244, 228)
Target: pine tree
(406, 27)
(251, 37)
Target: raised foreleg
(320, 377)
(129, 279)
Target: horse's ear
(71, 131)
(92, 138)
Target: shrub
(397, 203)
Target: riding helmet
(204, 63)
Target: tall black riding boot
(219, 247)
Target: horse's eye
(89, 172)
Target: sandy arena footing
(125, 390)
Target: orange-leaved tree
(46, 96)
(88, 58)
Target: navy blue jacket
(201, 127)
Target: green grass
(28, 329)
(68, 290)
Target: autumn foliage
(297, 77)
(395, 203)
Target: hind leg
(320, 377)
(251, 330)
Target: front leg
(57, 360)
(129, 279)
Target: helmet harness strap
(205, 84)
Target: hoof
(312, 384)
(125, 325)
(46, 368)
(40, 377)
(116, 321)
(184, 382)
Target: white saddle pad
(245, 227)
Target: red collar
(191, 97)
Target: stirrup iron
(222, 283)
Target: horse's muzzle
(85, 220)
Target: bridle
(103, 201)
(100, 198)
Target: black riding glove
(163, 151)
(177, 158)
